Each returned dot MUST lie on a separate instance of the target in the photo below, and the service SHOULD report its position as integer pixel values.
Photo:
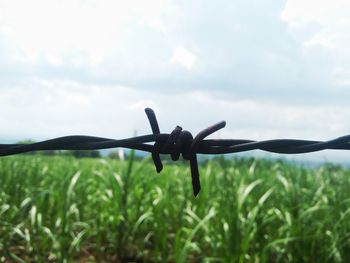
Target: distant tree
(85, 153)
(27, 141)
(114, 155)
(123, 154)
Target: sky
(272, 69)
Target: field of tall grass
(62, 209)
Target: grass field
(61, 209)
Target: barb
(179, 142)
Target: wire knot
(180, 142)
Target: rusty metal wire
(179, 142)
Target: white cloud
(331, 16)
(142, 104)
(323, 12)
(183, 57)
(341, 76)
(51, 108)
(49, 29)
(332, 35)
(144, 44)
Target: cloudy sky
(270, 68)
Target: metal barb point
(180, 141)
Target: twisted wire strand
(179, 143)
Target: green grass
(60, 209)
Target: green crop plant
(62, 209)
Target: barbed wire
(179, 142)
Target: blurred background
(271, 69)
